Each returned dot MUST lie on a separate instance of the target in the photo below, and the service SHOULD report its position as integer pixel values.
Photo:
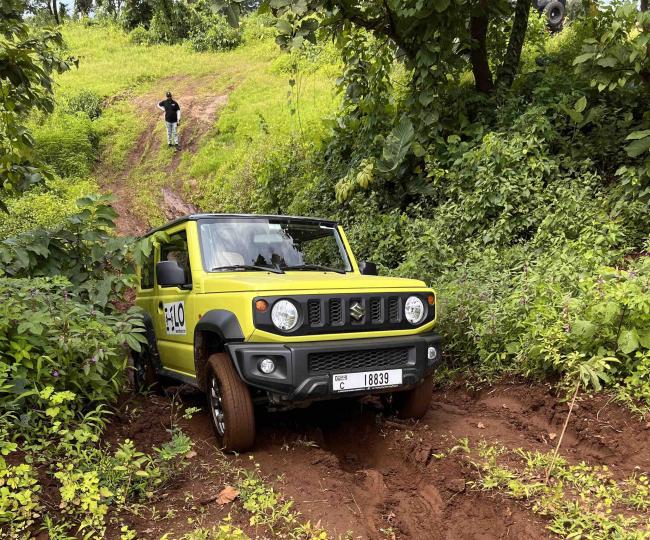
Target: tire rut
(199, 113)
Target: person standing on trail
(172, 119)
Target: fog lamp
(266, 366)
(432, 353)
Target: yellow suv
(275, 310)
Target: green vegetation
(507, 166)
(579, 500)
(525, 204)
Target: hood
(317, 282)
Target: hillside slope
(235, 104)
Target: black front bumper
(304, 370)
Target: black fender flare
(222, 323)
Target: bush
(257, 27)
(141, 36)
(213, 33)
(50, 336)
(45, 206)
(87, 102)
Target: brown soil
(351, 469)
(198, 114)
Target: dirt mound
(352, 469)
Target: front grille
(351, 360)
(344, 312)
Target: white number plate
(344, 382)
(175, 318)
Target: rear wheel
(412, 403)
(145, 376)
(231, 406)
(554, 13)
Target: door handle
(160, 307)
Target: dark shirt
(171, 108)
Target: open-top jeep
(276, 310)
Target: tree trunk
(55, 11)
(645, 75)
(478, 26)
(510, 64)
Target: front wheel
(412, 403)
(231, 406)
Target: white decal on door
(175, 318)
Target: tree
(83, 7)
(431, 36)
(28, 58)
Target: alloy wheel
(216, 407)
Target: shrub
(141, 36)
(212, 32)
(87, 102)
(257, 27)
(51, 337)
(45, 206)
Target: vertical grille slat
(376, 316)
(393, 309)
(314, 315)
(336, 311)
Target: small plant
(19, 498)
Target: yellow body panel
(235, 291)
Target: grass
(110, 65)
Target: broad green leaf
(628, 341)
(638, 147)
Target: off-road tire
(145, 376)
(554, 13)
(412, 403)
(236, 403)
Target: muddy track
(199, 113)
(353, 470)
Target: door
(174, 310)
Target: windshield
(280, 245)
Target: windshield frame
(346, 256)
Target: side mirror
(170, 274)
(368, 268)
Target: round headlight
(284, 315)
(414, 310)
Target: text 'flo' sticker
(175, 318)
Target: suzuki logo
(356, 311)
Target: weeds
(580, 501)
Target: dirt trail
(350, 468)
(199, 111)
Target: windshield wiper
(249, 267)
(314, 267)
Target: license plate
(344, 382)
